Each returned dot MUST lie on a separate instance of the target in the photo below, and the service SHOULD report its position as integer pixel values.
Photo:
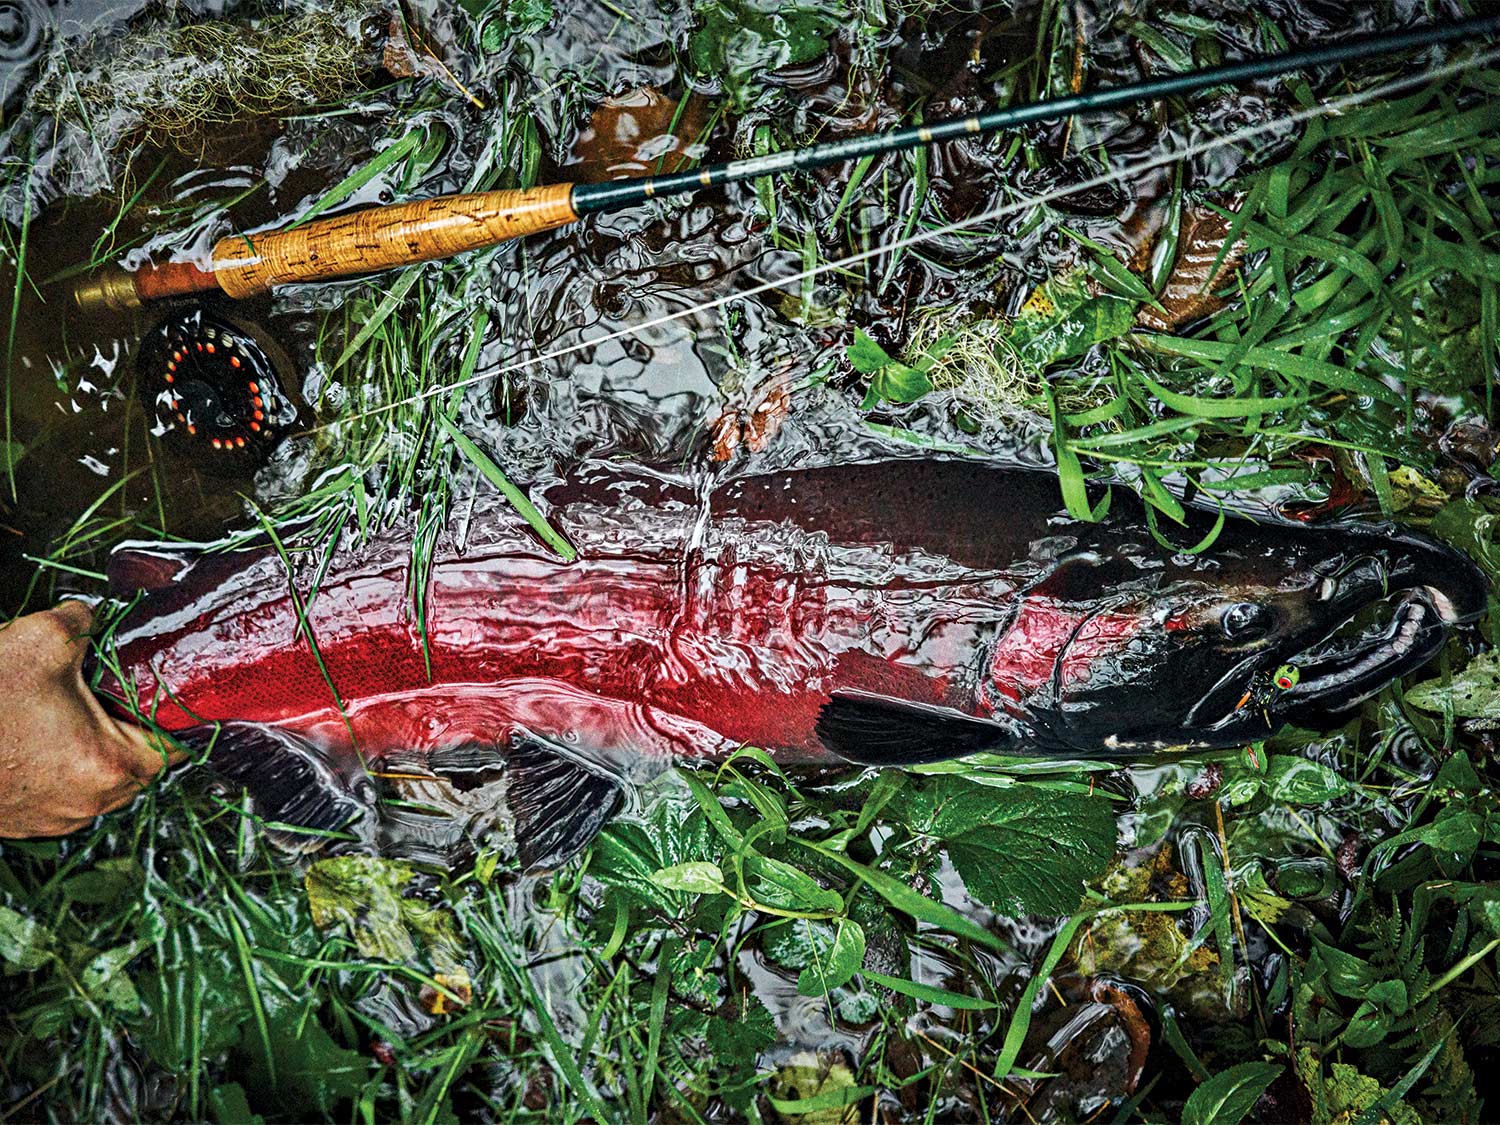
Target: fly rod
(399, 234)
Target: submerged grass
(1316, 910)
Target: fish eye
(1245, 621)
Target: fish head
(1133, 649)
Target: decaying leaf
(754, 427)
(1191, 289)
(364, 894)
(641, 132)
(815, 1088)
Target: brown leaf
(638, 133)
(1191, 290)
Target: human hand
(63, 760)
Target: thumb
(54, 641)
(146, 752)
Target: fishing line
(1104, 179)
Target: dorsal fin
(877, 730)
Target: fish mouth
(1344, 670)
(1381, 634)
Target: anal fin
(557, 806)
(877, 730)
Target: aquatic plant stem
(379, 238)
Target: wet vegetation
(1299, 314)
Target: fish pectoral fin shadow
(877, 730)
(558, 806)
(290, 788)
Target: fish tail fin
(877, 730)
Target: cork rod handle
(382, 237)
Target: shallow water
(655, 395)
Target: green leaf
(11, 453)
(913, 903)
(1347, 975)
(105, 980)
(1473, 693)
(843, 959)
(230, 1106)
(1022, 849)
(1300, 781)
(108, 881)
(627, 854)
(1368, 1026)
(24, 944)
(774, 883)
(518, 499)
(1093, 322)
(897, 382)
(307, 1070)
(1062, 319)
(743, 1029)
(697, 877)
(931, 994)
(865, 355)
(1227, 1097)
(738, 41)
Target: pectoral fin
(558, 806)
(876, 730)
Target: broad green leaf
(307, 1070)
(865, 355)
(899, 383)
(1347, 975)
(739, 41)
(844, 958)
(105, 980)
(1062, 318)
(627, 854)
(1301, 781)
(108, 881)
(1020, 850)
(697, 877)
(1093, 322)
(24, 943)
(1228, 1096)
(778, 884)
(1454, 836)
(1473, 693)
(1368, 1026)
